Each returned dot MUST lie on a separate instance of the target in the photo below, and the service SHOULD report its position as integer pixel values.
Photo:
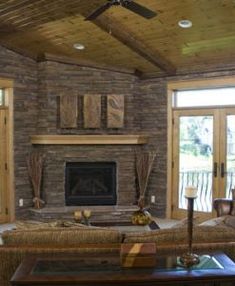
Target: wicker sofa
(83, 240)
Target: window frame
(175, 98)
(186, 84)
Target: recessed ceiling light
(79, 46)
(185, 24)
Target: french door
(3, 165)
(203, 156)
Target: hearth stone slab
(99, 213)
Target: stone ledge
(99, 213)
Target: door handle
(222, 170)
(215, 169)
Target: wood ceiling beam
(124, 36)
(85, 63)
(19, 51)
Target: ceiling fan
(128, 4)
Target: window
(2, 101)
(204, 97)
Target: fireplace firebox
(90, 183)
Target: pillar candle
(190, 192)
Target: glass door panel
(196, 160)
(204, 157)
(230, 155)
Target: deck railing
(203, 182)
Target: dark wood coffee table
(216, 269)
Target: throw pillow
(214, 221)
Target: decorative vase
(141, 217)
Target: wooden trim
(169, 156)
(11, 182)
(222, 146)
(3, 164)
(186, 72)
(199, 83)
(89, 139)
(6, 83)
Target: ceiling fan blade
(140, 10)
(98, 11)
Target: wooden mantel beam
(124, 139)
(121, 33)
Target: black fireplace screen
(90, 183)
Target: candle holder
(86, 216)
(82, 216)
(189, 259)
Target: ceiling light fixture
(79, 46)
(185, 24)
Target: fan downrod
(127, 4)
(120, 2)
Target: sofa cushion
(184, 222)
(61, 236)
(180, 235)
(230, 221)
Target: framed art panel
(68, 111)
(92, 111)
(115, 111)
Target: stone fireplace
(90, 183)
(91, 175)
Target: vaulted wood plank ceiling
(121, 39)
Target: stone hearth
(99, 213)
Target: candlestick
(189, 259)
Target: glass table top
(107, 265)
